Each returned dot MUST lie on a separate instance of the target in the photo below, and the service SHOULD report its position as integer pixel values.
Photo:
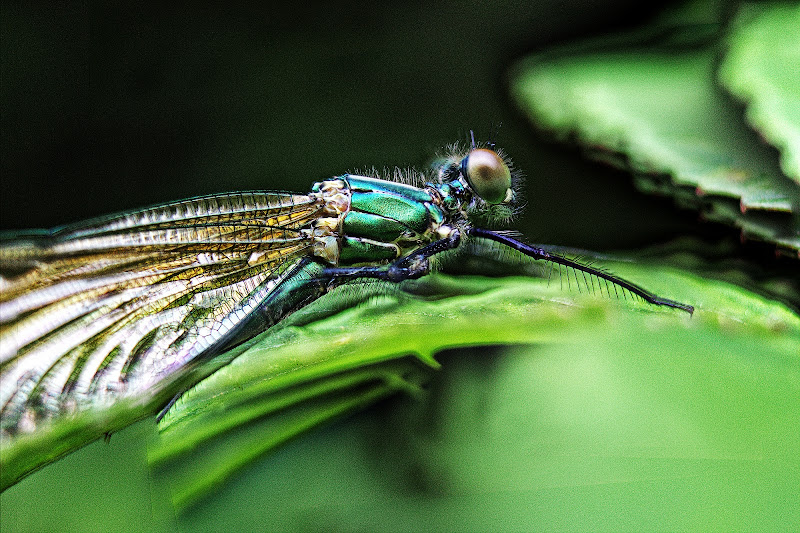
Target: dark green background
(114, 107)
(107, 108)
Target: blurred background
(115, 106)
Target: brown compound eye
(488, 175)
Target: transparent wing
(107, 308)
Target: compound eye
(488, 175)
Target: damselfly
(115, 306)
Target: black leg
(412, 266)
(541, 253)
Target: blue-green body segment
(370, 225)
(410, 213)
(366, 184)
(384, 219)
(357, 250)
(298, 287)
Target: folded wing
(111, 307)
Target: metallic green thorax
(383, 220)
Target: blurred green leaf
(761, 66)
(775, 280)
(585, 404)
(288, 381)
(106, 486)
(650, 105)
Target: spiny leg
(541, 253)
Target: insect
(115, 306)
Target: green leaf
(585, 400)
(761, 67)
(279, 387)
(25, 453)
(651, 106)
(106, 486)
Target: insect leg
(541, 253)
(413, 266)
